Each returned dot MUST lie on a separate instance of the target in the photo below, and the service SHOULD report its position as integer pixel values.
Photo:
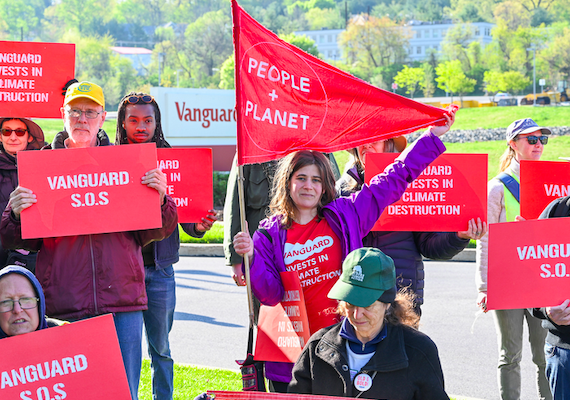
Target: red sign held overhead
(32, 76)
(288, 100)
(451, 191)
(66, 362)
(90, 190)
(283, 330)
(190, 180)
(542, 182)
(529, 264)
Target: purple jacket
(407, 248)
(351, 218)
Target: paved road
(210, 325)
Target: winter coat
(13, 269)
(407, 248)
(351, 218)
(89, 275)
(405, 366)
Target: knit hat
(367, 275)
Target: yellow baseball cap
(86, 90)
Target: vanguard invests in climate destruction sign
(197, 117)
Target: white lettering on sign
(276, 117)
(88, 180)
(559, 271)
(557, 190)
(435, 209)
(24, 97)
(545, 251)
(42, 371)
(423, 196)
(15, 58)
(168, 164)
(263, 70)
(17, 84)
(292, 295)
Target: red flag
(288, 100)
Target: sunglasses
(534, 139)
(139, 99)
(8, 132)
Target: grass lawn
(190, 381)
(214, 235)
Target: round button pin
(363, 382)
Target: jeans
(160, 289)
(558, 371)
(509, 324)
(129, 332)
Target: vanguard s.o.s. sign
(197, 117)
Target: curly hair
(281, 201)
(400, 312)
(121, 136)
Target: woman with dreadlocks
(138, 121)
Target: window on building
(419, 50)
(477, 32)
(435, 33)
(418, 34)
(487, 31)
(321, 38)
(329, 37)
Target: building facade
(424, 36)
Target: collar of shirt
(347, 332)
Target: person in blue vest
(139, 121)
(525, 141)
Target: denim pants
(160, 290)
(129, 332)
(558, 371)
(509, 325)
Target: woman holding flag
(310, 232)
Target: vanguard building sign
(197, 117)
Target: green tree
(19, 17)
(508, 81)
(557, 55)
(208, 42)
(227, 73)
(452, 79)
(410, 78)
(303, 42)
(329, 18)
(428, 84)
(373, 42)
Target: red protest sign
(69, 361)
(227, 395)
(542, 182)
(32, 76)
(189, 174)
(528, 264)
(283, 330)
(90, 190)
(288, 100)
(451, 191)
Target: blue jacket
(166, 250)
(351, 218)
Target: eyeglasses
(8, 132)
(139, 99)
(25, 302)
(534, 139)
(91, 114)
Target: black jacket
(406, 364)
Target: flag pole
(244, 228)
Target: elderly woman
(16, 134)
(375, 351)
(22, 302)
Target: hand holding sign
(207, 221)
(440, 130)
(20, 199)
(560, 315)
(476, 230)
(156, 179)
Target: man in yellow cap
(88, 275)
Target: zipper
(93, 275)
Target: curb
(217, 250)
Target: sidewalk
(217, 250)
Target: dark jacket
(405, 366)
(166, 251)
(12, 269)
(90, 275)
(407, 248)
(558, 335)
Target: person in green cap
(376, 350)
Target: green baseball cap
(367, 275)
